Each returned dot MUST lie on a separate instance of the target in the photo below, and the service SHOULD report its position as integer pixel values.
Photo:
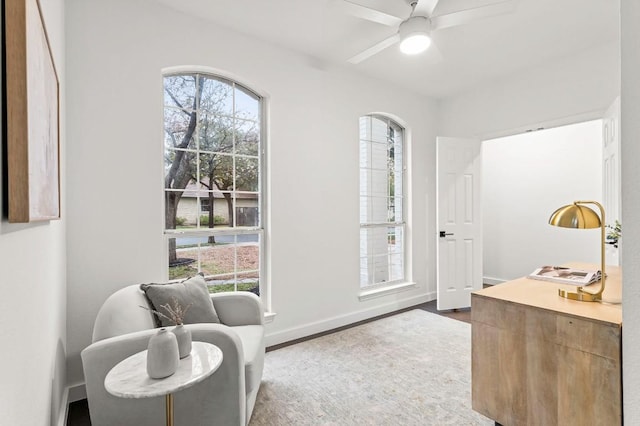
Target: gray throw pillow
(192, 291)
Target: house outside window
(382, 219)
(213, 159)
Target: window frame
(383, 287)
(260, 230)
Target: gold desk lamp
(577, 215)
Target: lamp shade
(575, 216)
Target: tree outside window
(212, 159)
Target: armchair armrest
(219, 399)
(238, 308)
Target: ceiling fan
(414, 32)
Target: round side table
(129, 379)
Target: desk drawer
(588, 336)
(595, 337)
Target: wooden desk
(539, 359)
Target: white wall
(574, 89)
(116, 52)
(33, 302)
(630, 153)
(527, 177)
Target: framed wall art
(33, 147)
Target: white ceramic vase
(162, 354)
(183, 335)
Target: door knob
(444, 234)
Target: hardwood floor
(78, 414)
(79, 410)
(457, 314)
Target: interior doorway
(525, 178)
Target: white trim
(492, 281)
(311, 328)
(269, 317)
(64, 408)
(77, 392)
(407, 199)
(386, 290)
(203, 232)
(200, 69)
(264, 198)
(549, 124)
(392, 122)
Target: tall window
(382, 223)
(213, 172)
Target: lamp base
(580, 296)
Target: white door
(459, 247)
(611, 174)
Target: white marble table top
(129, 378)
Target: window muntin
(382, 222)
(213, 177)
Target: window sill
(269, 317)
(384, 291)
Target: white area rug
(413, 368)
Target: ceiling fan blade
(469, 15)
(424, 8)
(371, 14)
(379, 47)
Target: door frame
(514, 131)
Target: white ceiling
(539, 31)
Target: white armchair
(225, 398)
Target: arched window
(213, 159)
(382, 220)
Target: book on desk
(566, 275)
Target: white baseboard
(72, 393)
(342, 320)
(492, 281)
(64, 408)
(77, 392)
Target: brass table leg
(169, 408)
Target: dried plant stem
(176, 313)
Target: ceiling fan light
(415, 43)
(414, 35)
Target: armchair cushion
(252, 337)
(192, 291)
